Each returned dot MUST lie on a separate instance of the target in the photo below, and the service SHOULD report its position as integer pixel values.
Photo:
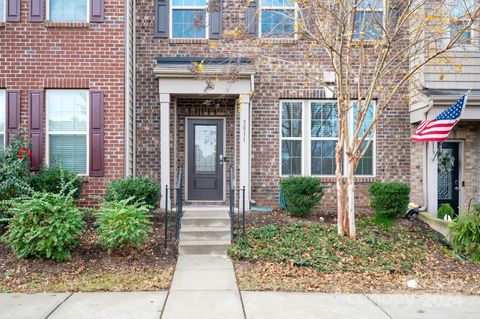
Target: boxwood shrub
(389, 200)
(122, 225)
(141, 189)
(466, 235)
(301, 194)
(57, 180)
(45, 226)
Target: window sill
(278, 41)
(188, 41)
(55, 24)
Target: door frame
(187, 118)
(461, 175)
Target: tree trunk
(346, 203)
(352, 232)
(340, 191)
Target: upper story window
(277, 18)
(189, 19)
(369, 20)
(2, 118)
(309, 136)
(459, 17)
(67, 129)
(68, 10)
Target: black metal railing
(241, 200)
(178, 191)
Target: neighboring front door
(205, 159)
(449, 182)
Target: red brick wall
(272, 83)
(37, 56)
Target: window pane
(189, 23)
(205, 149)
(323, 157)
(291, 158)
(2, 10)
(2, 140)
(292, 119)
(189, 3)
(324, 119)
(371, 4)
(367, 121)
(278, 23)
(67, 110)
(365, 165)
(68, 10)
(465, 37)
(278, 3)
(69, 151)
(369, 23)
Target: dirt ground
(92, 269)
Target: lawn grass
(90, 282)
(377, 249)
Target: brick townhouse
(66, 78)
(260, 124)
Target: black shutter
(251, 19)
(161, 18)
(216, 20)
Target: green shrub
(389, 200)
(142, 189)
(466, 235)
(45, 226)
(14, 172)
(122, 225)
(301, 194)
(445, 210)
(57, 180)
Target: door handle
(456, 186)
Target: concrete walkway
(204, 286)
(257, 305)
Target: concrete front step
(189, 221)
(205, 233)
(203, 247)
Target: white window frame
(302, 138)
(475, 36)
(3, 112)
(307, 139)
(384, 20)
(262, 8)
(171, 7)
(47, 7)
(48, 133)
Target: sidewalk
(257, 305)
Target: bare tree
(374, 48)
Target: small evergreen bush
(445, 210)
(57, 180)
(301, 194)
(142, 189)
(390, 200)
(45, 226)
(466, 235)
(122, 225)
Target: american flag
(437, 130)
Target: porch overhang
(434, 102)
(219, 76)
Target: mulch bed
(440, 272)
(92, 269)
